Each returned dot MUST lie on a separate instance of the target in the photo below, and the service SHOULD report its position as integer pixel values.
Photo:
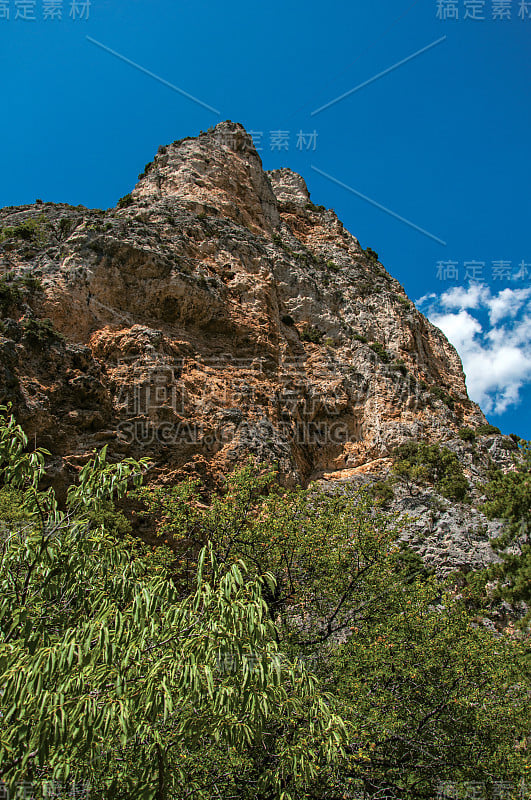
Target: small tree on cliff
(509, 498)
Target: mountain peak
(218, 303)
(218, 172)
(288, 186)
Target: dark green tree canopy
(275, 644)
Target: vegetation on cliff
(508, 497)
(422, 462)
(275, 644)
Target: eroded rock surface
(216, 313)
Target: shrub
(65, 227)
(467, 434)
(381, 352)
(421, 463)
(125, 201)
(371, 254)
(382, 491)
(440, 394)
(147, 168)
(399, 366)
(359, 338)
(365, 288)
(40, 332)
(13, 290)
(453, 484)
(312, 334)
(485, 430)
(313, 207)
(403, 300)
(410, 565)
(31, 230)
(31, 283)
(9, 295)
(24, 231)
(332, 266)
(508, 497)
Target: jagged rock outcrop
(216, 313)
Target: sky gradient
(425, 158)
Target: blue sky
(441, 140)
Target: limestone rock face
(289, 187)
(220, 170)
(217, 313)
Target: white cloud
(460, 328)
(507, 304)
(424, 299)
(460, 297)
(496, 355)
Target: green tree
(322, 551)
(109, 673)
(187, 674)
(426, 695)
(428, 698)
(509, 498)
(422, 462)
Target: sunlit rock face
(220, 170)
(215, 314)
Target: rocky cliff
(217, 312)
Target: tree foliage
(287, 645)
(509, 498)
(323, 551)
(422, 462)
(425, 694)
(110, 673)
(429, 698)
